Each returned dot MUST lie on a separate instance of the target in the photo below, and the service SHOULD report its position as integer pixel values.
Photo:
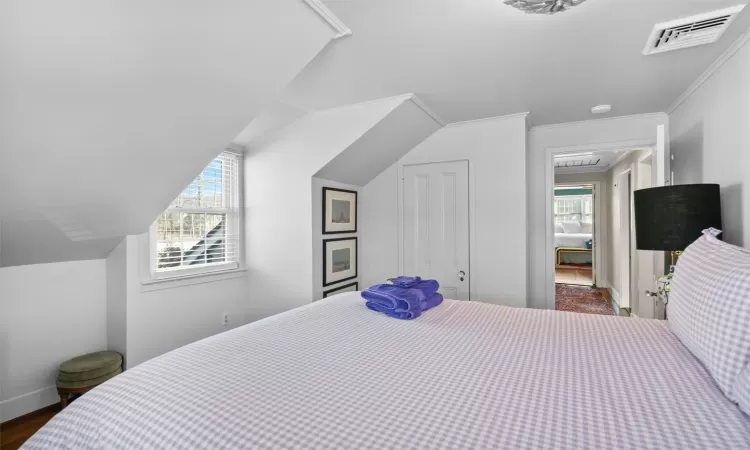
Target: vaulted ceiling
(470, 59)
(109, 109)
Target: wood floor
(578, 275)
(14, 433)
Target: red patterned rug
(582, 299)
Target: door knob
(461, 275)
(651, 294)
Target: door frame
(549, 189)
(597, 258)
(643, 304)
(631, 262)
(472, 221)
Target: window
(199, 232)
(574, 207)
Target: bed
(572, 240)
(571, 236)
(464, 375)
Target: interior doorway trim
(549, 189)
(599, 262)
(627, 259)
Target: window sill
(156, 284)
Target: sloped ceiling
(350, 144)
(471, 59)
(275, 117)
(317, 137)
(109, 109)
(382, 145)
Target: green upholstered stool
(84, 373)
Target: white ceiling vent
(576, 160)
(691, 31)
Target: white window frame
(584, 200)
(234, 224)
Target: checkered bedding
(464, 375)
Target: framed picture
(339, 260)
(353, 287)
(339, 211)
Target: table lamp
(670, 218)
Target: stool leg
(63, 399)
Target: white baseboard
(615, 296)
(603, 284)
(26, 403)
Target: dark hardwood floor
(14, 433)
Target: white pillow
(559, 228)
(709, 308)
(572, 227)
(587, 227)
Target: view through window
(200, 227)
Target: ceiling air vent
(691, 31)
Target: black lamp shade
(672, 217)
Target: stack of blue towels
(406, 298)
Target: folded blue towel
(432, 302)
(406, 299)
(405, 282)
(391, 296)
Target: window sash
(228, 246)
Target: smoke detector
(691, 31)
(601, 109)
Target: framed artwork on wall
(352, 287)
(339, 211)
(339, 260)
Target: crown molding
(712, 69)
(606, 119)
(326, 14)
(417, 101)
(487, 119)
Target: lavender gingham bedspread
(464, 375)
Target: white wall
(278, 202)
(711, 141)
(378, 224)
(166, 316)
(592, 135)
(318, 236)
(614, 252)
(495, 150)
(48, 313)
(117, 299)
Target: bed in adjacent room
(464, 375)
(576, 237)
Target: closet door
(436, 225)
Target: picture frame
(339, 211)
(339, 260)
(341, 289)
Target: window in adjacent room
(200, 230)
(573, 204)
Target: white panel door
(436, 225)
